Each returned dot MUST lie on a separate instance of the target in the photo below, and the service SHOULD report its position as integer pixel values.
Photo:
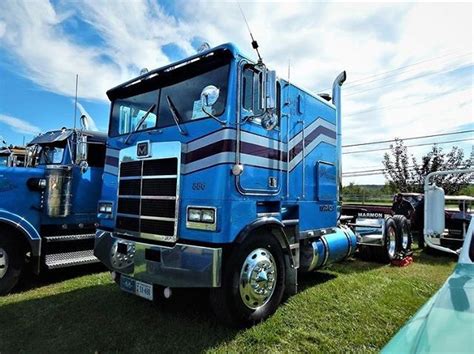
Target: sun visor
(51, 137)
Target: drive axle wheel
(403, 228)
(391, 242)
(252, 282)
(11, 264)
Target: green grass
(353, 306)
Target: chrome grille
(147, 202)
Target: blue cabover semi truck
(48, 210)
(220, 175)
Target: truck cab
(48, 210)
(220, 175)
(12, 156)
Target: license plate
(136, 287)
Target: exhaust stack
(336, 100)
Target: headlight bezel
(105, 209)
(201, 217)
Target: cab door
(260, 150)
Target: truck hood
(14, 179)
(445, 323)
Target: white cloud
(321, 39)
(19, 125)
(89, 121)
(3, 27)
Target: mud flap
(291, 281)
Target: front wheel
(11, 264)
(253, 282)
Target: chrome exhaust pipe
(336, 100)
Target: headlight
(105, 210)
(36, 184)
(42, 183)
(208, 215)
(194, 214)
(201, 218)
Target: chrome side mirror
(83, 165)
(209, 96)
(81, 152)
(270, 86)
(269, 120)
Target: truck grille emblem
(142, 149)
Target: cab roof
(61, 135)
(224, 48)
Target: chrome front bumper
(180, 266)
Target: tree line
(405, 173)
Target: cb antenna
(254, 42)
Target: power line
(351, 84)
(410, 138)
(415, 145)
(410, 79)
(370, 172)
(395, 106)
(403, 72)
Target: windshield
(182, 86)
(50, 154)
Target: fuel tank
(328, 248)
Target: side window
(278, 103)
(96, 154)
(251, 94)
(247, 89)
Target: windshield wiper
(176, 116)
(142, 119)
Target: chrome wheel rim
(3, 262)
(258, 278)
(122, 260)
(392, 242)
(405, 239)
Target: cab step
(69, 259)
(63, 238)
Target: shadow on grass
(308, 280)
(31, 281)
(356, 264)
(104, 319)
(349, 266)
(430, 256)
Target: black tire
(391, 243)
(403, 228)
(227, 301)
(421, 240)
(11, 263)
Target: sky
(409, 65)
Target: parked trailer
(445, 321)
(220, 175)
(48, 212)
(455, 220)
(435, 234)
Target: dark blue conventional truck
(48, 209)
(220, 175)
